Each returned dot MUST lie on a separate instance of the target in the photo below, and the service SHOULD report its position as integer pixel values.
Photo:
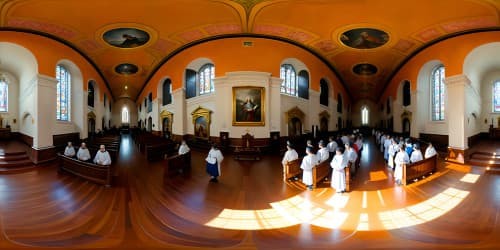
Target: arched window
(437, 89)
(63, 93)
(206, 75)
(364, 115)
(4, 95)
(150, 102)
(339, 103)
(125, 115)
(289, 84)
(303, 85)
(90, 94)
(496, 96)
(323, 96)
(406, 93)
(166, 92)
(105, 99)
(190, 79)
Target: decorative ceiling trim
(427, 45)
(245, 35)
(72, 46)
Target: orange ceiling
(315, 24)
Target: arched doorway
(295, 116)
(150, 124)
(165, 126)
(406, 123)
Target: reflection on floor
(456, 208)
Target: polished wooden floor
(250, 208)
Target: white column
(179, 104)
(45, 110)
(314, 109)
(275, 111)
(455, 110)
(414, 128)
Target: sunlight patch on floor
(378, 176)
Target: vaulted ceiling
(364, 41)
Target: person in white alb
(290, 154)
(400, 159)
(393, 149)
(183, 148)
(430, 151)
(332, 146)
(322, 153)
(307, 166)
(69, 151)
(416, 155)
(83, 153)
(338, 164)
(214, 159)
(351, 156)
(102, 156)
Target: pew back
(92, 172)
(177, 163)
(419, 169)
(292, 169)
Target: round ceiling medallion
(364, 38)
(126, 37)
(126, 69)
(364, 69)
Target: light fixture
(126, 87)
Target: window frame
(6, 82)
(127, 115)
(199, 78)
(293, 90)
(496, 84)
(440, 69)
(62, 68)
(363, 110)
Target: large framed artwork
(201, 122)
(249, 106)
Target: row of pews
(154, 147)
(101, 174)
(321, 171)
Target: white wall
(116, 117)
(373, 113)
(487, 101)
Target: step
(12, 153)
(17, 170)
(485, 156)
(484, 163)
(13, 157)
(15, 163)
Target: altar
(247, 151)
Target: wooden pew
(419, 169)
(320, 172)
(90, 171)
(157, 151)
(347, 171)
(177, 164)
(292, 169)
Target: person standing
(351, 156)
(322, 153)
(214, 160)
(400, 159)
(102, 156)
(307, 166)
(332, 146)
(290, 154)
(393, 149)
(338, 164)
(83, 153)
(69, 151)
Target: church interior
(251, 80)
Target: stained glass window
(496, 96)
(289, 84)
(437, 86)
(63, 93)
(364, 115)
(207, 75)
(4, 95)
(125, 116)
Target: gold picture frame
(201, 122)
(249, 106)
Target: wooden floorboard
(250, 208)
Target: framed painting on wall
(248, 106)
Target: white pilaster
(180, 116)
(455, 110)
(45, 110)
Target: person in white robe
(307, 166)
(344, 139)
(338, 164)
(430, 151)
(400, 159)
(332, 146)
(102, 156)
(183, 148)
(387, 144)
(214, 159)
(290, 154)
(351, 156)
(382, 141)
(83, 153)
(416, 155)
(69, 151)
(393, 149)
(323, 154)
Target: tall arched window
(150, 102)
(206, 75)
(63, 93)
(323, 96)
(339, 103)
(4, 95)
(90, 94)
(289, 84)
(496, 96)
(303, 84)
(166, 92)
(437, 89)
(406, 93)
(105, 99)
(364, 115)
(125, 115)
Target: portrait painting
(364, 69)
(126, 69)
(248, 106)
(364, 38)
(201, 127)
(126, 37)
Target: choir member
(400, 159)
(214, 160)
(102, 156)
(290, 154)
(416, 155)
(307, 166)
(83, 153)
(69, 151)
(338, 163)
(430, 151)
(322, 153)
(183, 148)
